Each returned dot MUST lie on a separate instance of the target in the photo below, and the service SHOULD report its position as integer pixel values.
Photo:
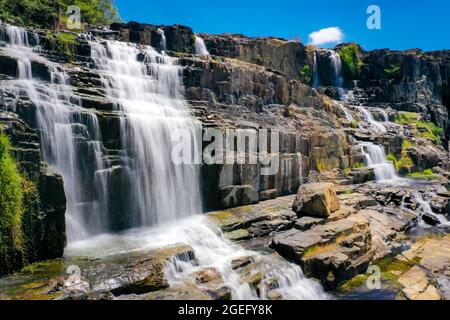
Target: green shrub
(393, 71)
(305, 73)
(425, 174)
(11, 198)
(350, 61)
(319, 165)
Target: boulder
(317, 199)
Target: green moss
(62, 42)
(11, 210)
(424, 129)
(350, 60)
(425, 174)
(353, 124)
(357, 165)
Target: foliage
(424, 129)
(11, 198)
(62, 42)
(393, 71)
(319, 166)
(350, 60)
(305, 73)
(47, 13)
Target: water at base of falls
(211, 249)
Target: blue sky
(404, 24)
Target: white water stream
(200, 47)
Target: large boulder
(316, 199)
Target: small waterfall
(375, 125)
(70, 139)
(385, 115)
(376, 158)
(163, 42)
(200, 47)
(425, 208)
(150, 94)
(315, 73)
(347, 112)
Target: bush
(353, 124)
(350, 60)
(62, 42)
(11, 198)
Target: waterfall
(200, 47)
(315, 73)
(375, 125)
(336, 65)
(70, 138)
(163, 42)
(150, 94)
(425, 208)
(347, 112)
(376, 158)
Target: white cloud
(327, 35)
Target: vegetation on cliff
(53, 13)
(11, 208)
(350, 61)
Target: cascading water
(149, 93)
(375, 125)
(315, 73)
(336, 66)
(70, 138)
(376, 158)
(200, 47)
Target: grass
(425, 174)
(424, 129)
(11, 198)
(318, 249)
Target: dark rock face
(178, 38)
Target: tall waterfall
(336, 65)
(200, 47)
(163, 42)
(315, 73)
(376, 158)
(70, 138)
(150, 94)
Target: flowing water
(150, 94)
(368, 117)
(375, 158)
(200, 47)
(315, 73)
(70, 138)
(163, 42)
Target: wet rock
(238, 195)
(207, 275)
(316, 199)
(361, 175)
(241, 262)
(332, 252)
(238, 235)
